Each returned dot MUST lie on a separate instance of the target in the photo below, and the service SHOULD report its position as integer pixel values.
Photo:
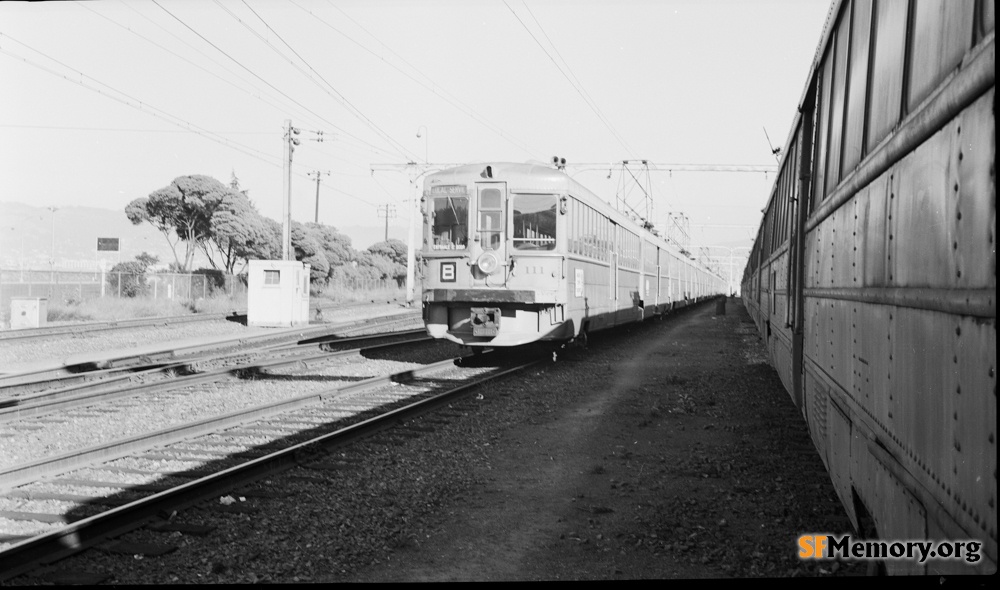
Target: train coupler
(485, 321)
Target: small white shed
(278, 293)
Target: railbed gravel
(14, 353)
(391, 493)
(137, 415)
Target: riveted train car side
(519, 253)
(873, 274)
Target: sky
(105, 102)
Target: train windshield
(534, 222)
(451, 223)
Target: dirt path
(667, 452)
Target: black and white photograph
(410, 291)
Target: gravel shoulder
(670, 451)
(664, 450)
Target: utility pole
(387, 211)
(290, 141)
(318, 174)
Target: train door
(490, 250)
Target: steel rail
(82, 363)
(116, 325)
(28, 472)
(77, 382)
(79, 535)
(83, 327)
(91, 393)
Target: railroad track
(101, 365)
(40, 398)
(88, 327)
(70, 502)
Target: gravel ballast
(667, 450)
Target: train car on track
(873, 274)
(518, 253)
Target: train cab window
(490, 218)
(534, 222)
(451, 223)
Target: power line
(578, 88)
(135, 103)
(339, 96)
(61, 128)
(237, 62)
(432, 87)
(181, 57)
(254, 88)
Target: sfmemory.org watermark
(844, 547)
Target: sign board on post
(107, 244)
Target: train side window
(888, 52)
(534, 222)
(857, 79)
(986, 19)
(451, 218)
(942, 32)
(823, 127)
(837, 101)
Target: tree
(184, 207)
(390, 258)
(336, 247)
(308, 250)
(239, 233)
(128, 278)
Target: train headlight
(488, 263)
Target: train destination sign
(107, 244)
(449, 189)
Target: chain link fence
(68, 286)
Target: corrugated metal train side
(873, 275)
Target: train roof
(536, 176)
(528, 175)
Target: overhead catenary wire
(254, 91)
(579, 89)
(330, 89)
(237, 62)
(134, 102)
(429, 85)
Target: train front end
(491, 262)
